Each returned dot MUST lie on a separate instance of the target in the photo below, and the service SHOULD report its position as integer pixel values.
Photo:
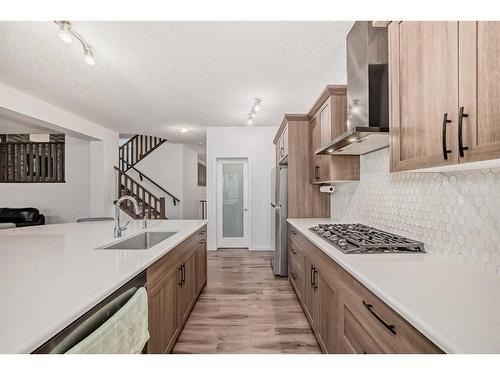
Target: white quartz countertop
(456, 306)
(50, 275)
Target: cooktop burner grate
(361, 239)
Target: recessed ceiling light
(183, 128)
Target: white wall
(59, 202)
(174, 166)
(256, 144)
(103, 155)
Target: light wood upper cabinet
(328, 120)
(439, 69)
(423, 61)
(479, 90)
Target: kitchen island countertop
(50, 275)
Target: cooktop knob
(316, 228)
(334, 238)
(326, 234)
(342, 243)
(320, 230)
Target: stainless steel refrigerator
(279, 214)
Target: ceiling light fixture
(66, 33)
(253, 112)
(183, 128)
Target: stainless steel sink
(142, 241)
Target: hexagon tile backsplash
(455, 214)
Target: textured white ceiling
(150, 77)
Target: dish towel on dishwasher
(126, 332)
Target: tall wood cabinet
(304, 199)
(443, 93)
(328, 120)
(174, 283)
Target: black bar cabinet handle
(312, 275)
(445, 148)
(183, 273)
(461, 147)
(390, 327)
(316, 172)
(315, 285)
(180, 281)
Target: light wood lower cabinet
(174, 283)
(344, 315)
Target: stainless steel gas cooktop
(361, 239)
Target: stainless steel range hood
(367, 93)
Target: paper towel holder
(327, 189)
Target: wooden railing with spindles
(151, 206)
(137, 148)
(31, 162)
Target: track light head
(65, 33)
(89, 56)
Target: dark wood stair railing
(137, 148)
(32, 162)
(151, 206)
(142, 176)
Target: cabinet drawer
(296, 272)
(390, 330)
(353, 337)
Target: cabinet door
(327, 313)
(187, 288)
(285, 142)
(325, 123)
(479, 46)
(311, 294)
(423, 75)
(163, 318)
(201, 265)
(320, 169)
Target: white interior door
(232, 203)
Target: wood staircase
(136, 149)
(130, 153)
(150, 206)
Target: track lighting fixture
(253, 112)
(67, 33)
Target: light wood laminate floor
(245, 309)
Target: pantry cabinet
(443, 93)
(345, 316)
(174, 283)
(292, 143)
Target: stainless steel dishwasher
(93, 319)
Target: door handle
(445, 147)
(461, 147)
